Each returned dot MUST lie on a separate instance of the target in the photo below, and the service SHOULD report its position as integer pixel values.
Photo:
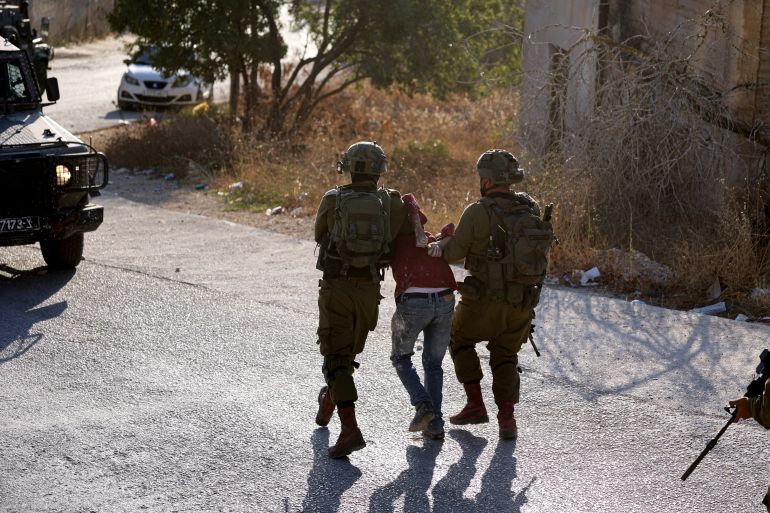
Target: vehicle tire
(124, 105)
(64, 253)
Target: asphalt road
(89, 75)
(177, 370)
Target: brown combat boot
(474, 411)
(350, 438)
(506, 421)
(325, 407)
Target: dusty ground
(151, 188)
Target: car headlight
(130, 80)
(182, 81)
(63, 175)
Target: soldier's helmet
(364, 158)
(500, 166)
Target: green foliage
(206, 37)
(435, 46)
(441, 47)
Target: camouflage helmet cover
(500, 166)
(364, 157)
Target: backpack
(519, 245)
(361, 232)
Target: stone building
(72, 20)
(727, 48)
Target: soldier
(499, 296)
(355, 226)
(759, 409)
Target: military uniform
(347, 305)
(759, 408)
(352, 256)
(504, 321)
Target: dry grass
(654, 167)
(433, 146)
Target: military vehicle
(47, 175)
(17, 29)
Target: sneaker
(422, 417)
(435, 429)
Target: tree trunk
(235, 92)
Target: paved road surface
(89, 76)
(177, 370)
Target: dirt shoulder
(152, 188)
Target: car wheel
(124, 105)
(63, 253)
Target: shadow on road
(646, 336)
(413, 483)
(495, 494)
(20, 293)
(329, 478)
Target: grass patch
(432, 147)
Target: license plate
(19, 224)
(154, 92)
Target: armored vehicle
(17, 29)
(47, 175)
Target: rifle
(755, 389)
(532, 338)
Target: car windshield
(146, 56)
(14, 88)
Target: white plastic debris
(741, 317)
(168, 177)
(274, 211)
(236, 185)
(589, 275)
(711, 309)
(295, 211)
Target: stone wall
(73, 20)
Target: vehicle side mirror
(45, 26)
(52, 89)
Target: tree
(437, 46)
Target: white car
(143, 85)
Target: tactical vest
(360, 238)
(516, 259)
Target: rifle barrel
(708, 448)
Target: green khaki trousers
(347, 311)
(505, 327)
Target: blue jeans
(433, 317)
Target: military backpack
(517, 254)
(361, 233)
